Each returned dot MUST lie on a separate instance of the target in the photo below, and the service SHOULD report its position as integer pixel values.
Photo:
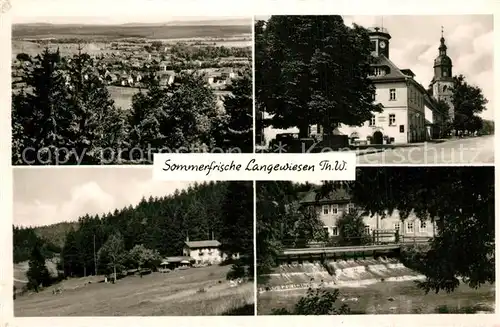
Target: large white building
(332, 207)
(410, 113)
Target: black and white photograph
(398, 240)
(397, 89)
(112, 242)
(116, 89)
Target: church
(410, 112)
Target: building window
(401, 128)
(325, 210)
(409, 227)
(396, 226)
(367, 230)
(392, 120)
(350, 207)
(423, 225)
(327, 230)
(335, 231)
(392, 94)
(372, 121)
(445, 73)
(335, 209)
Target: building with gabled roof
(409, 112)
(340, 201)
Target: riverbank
(392, 298)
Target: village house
(203, 251)
(339, 202)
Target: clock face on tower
(382, 44)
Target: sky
(46, 196)
(112, 12)
(415, 42)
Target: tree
(39, 114)
(96, 123)
(301, 226)
(351, 227)
(37, 274)
(143, 257)
(317, 302)
(468, 101)
(23, 57)
(237, 224)
(273, 199)
(313, 70)
(178, 117)
(112, 253)
(237, 129)
(488, 128)
(460, 200)
(447, 122)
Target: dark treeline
(222, 210)
(65, 115)
(25, 239)
(190, 52)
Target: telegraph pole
(95, 261)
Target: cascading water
(340, 273)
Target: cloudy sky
(45, 196)
(113, 12)
(415, 42)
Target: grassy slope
(176, 293)
(375, 299)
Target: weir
(337, 267)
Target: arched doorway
(378, 137)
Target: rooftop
(203, 244)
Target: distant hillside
(56, 233)
(114, 32)
(51, 239)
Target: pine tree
(37, 274)
(238, 132)
(96, 123)
(237, 226)
(40, 112)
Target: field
(390, 298)
(122, 96)
(195, 291)
(115, 32)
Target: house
(339, 202)
(203, 251)
(176, 262)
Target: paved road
(476, 150)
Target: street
(476, 150)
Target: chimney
(187, 237)
(212, 235)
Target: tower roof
(442, 59)
(379, 31)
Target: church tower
(442, 82)
(379, 38)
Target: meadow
(194, 291)
(392, 298)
